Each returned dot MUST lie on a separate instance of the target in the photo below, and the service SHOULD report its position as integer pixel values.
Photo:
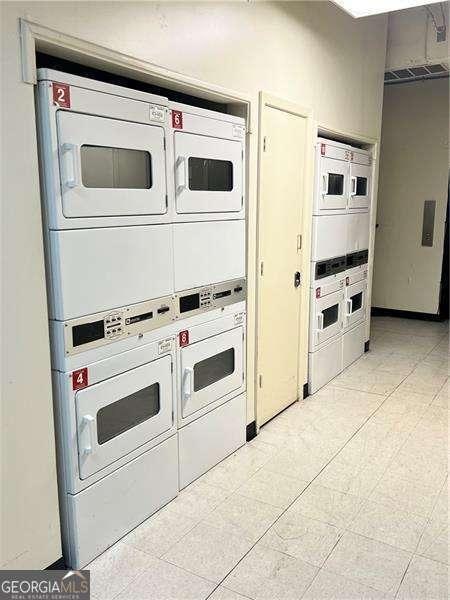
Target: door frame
(267, 100)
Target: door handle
(88, 423)
(187, 383)
(320, 321)
(353, 187)
(349, 307)
(297, 279)
(69, 160)
(181, 170)
(324, 184)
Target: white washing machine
(103, 152)
(327, 309)
(209, 192)
(117, 445)
(211, 391)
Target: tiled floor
(343, 496)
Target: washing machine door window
(333, 184)
(211, 369)
(208, 174)
(110, 168)
(120, 414)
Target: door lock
(297, 279)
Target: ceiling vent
(415, 73)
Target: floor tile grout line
(302, 492)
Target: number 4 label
(61, 95)
(79, 379)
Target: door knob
(297, 279)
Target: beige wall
(413, 168)
(307, 52)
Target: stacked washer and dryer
(144, 225)
(339, 259)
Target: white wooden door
(284, 143)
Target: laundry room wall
(414, 165)
(311, 53)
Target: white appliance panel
(107, 510)
(210, 370)
(101, 268)
(208, 174)
(329, 236)
(324, 364)
(358, 231)
(353, 344)
(110, 167)
(116, 416)
(209, 439)
(208, 252)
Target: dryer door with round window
(110, 168)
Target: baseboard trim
(58, 565)
(404, 314)
(251, 431)
(305, 391)
(367, 346)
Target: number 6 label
(177, 119)
(61, 95)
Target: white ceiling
(365, 8)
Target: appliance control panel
(103, 328)
(218, 295)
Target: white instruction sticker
(157, 113)
(165, 345)
(238, 131)
(239, 318)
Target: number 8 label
(61, 95)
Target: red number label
(347, 281)
(183, 338)
(177, 119)
(322, 149)
(318, 292)
(61, 95)
(79, 378)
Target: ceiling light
(365, 8)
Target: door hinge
(167, 201)
(299, 241)
(242, 154)
(261, 269)
(164, 143)
(264, 143)
(260, 381)
(171, 367)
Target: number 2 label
(61, 95)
